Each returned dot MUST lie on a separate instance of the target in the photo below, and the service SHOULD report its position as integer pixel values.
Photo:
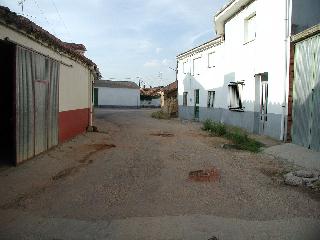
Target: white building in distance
(116, 94)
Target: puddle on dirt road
(91, 149)
(206, 175)
(94, 149)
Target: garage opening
(7, 103)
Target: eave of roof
(207, 45)
(76, 46)
(116, 84)
(22, 24)
(227, 12)
(224, 7)
(306, 34)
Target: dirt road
(130, 181)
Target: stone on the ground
(92, 129)
(291, 179)
(301, 178)
(304, 174)
(308, 182)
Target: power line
(21, 2)
(44, 16)
(61, 19)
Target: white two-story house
(241, 77)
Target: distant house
(115, 94)
(170, 91)
(151, 97)
(242, 76)
(169, 99)
(46, 86)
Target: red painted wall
(72, 123)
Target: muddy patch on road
(164, 134)
(94, 148)
(87, 151)
(206, 175)
(90, 150)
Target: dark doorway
(7, 103)
(196, 104)
(96, 100)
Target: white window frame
(211, 98)
(196, 60)
(250, 28)
(211, 63)
(235, 90)
(185, 99)
(184, 67)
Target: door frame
(196, 104)
(9, 99)
(261, 102)
(95, 97)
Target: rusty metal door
(36, 103)
(306, 94)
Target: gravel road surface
(130, 181)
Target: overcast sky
(127, 38)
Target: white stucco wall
(118, 97)
(155, 102)
(75, 81)
(237, 60)
(208, 78)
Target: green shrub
(160, 115)
(238, 136)
(219, 129)
(215, 128)
(251, 145)
(207, 125)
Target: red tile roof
(171, 87)
(76, 46)
(151, 92)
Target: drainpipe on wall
(91, 94)
(286, 75)
(91, 104)
(91, 97)
(177, 71)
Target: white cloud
(144, 45)
(197, 36)
(166, 62)
(158, 63)
(158, 50)
(152, 63)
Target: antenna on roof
(21, 2)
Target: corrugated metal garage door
(36, 103)
(306, 94)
